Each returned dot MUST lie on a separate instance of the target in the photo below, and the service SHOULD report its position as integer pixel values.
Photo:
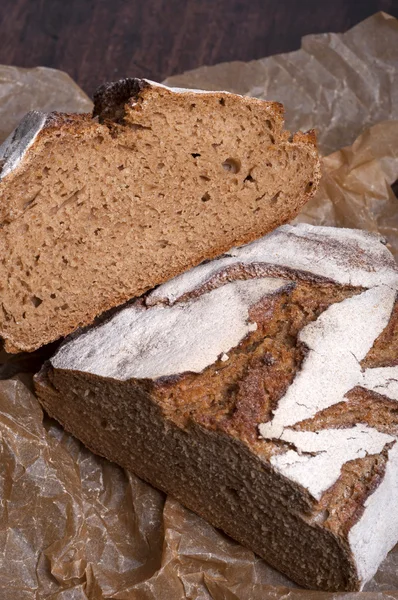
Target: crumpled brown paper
(74, 526)
(355, 189)
(22, 90)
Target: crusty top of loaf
(110, 100)
(344, 256)
(111, 97)
(164, 341)
(145, 340)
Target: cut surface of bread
(260, 390)
(97, 210)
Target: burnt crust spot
(110, 98)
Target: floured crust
(307, 395)
(16, 145)
(158, 174)
(343, 256)
(221, 321)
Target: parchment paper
(339, 84)
(74, 526)
(22, 90)
(355, 189)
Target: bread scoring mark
(169, 340)
(344, 256)
(337, 341)
(14, 148)
(375, 533)
(319, 456)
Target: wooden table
(100, 40)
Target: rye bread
(260, 390)
(95, 210)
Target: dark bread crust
(111, 97)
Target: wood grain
(99, 40)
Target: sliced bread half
(95, 210)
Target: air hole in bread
(222, 101)
(36, 301)
(248, 178)
(206, 197)
(231, 165)
(195, 155)
(204, 178)
(28, 203)
(53, 296)
(275, 198)
(309, 186)
(232, 492)
(121, 167)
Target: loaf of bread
(260, 390)
(97, 210)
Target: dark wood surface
(100, 40)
